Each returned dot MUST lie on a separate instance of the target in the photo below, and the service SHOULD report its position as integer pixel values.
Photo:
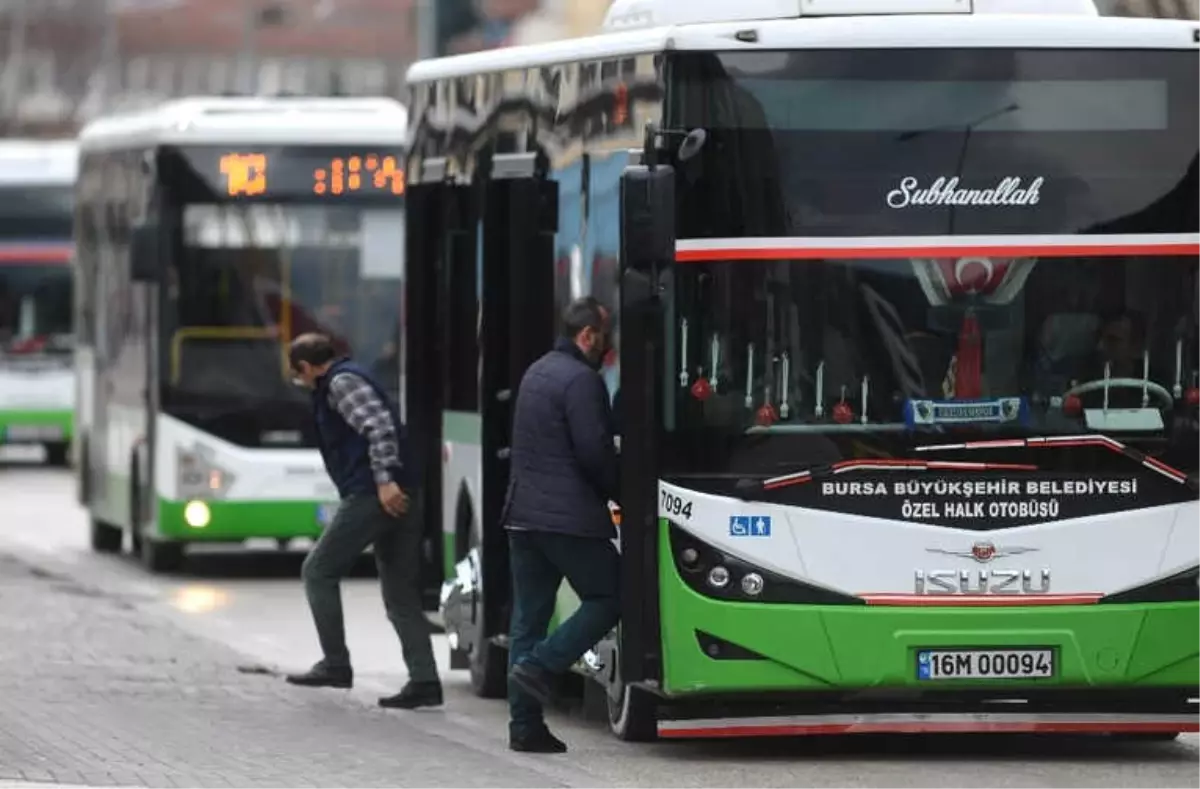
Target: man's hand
(392, 499)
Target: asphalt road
(251, 605)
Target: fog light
(689, 557)
(718, 577)
(196, 514)
(752, 584)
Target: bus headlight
(718, 577)
(198, 476)
(712, 573)
(197, 514)
(752, 584)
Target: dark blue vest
(344, 451)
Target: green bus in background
(37, 382)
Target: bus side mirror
(647, 217)
(143, 252)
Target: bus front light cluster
(713, 573)
(199, 476)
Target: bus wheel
(105, 538)
(632, 711)
(58, 455)
(633, 714)
(161, 556)
(488, 661)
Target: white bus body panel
(45, 389)
(255, 474)
(864, 556)
(38, 162)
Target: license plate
(325, 513)
(937, 664)
(16, 433)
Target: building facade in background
(64, 61)
(473, 25)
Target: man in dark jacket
(564, 474)
(364, 446)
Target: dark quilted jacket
(564, 466)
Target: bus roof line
(238, 120)
(934, 31)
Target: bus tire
(105, 538)
(489, 670)
(633, 714)
(58, 455)
(487, 661)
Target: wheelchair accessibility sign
(749, 525)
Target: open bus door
(507, 254)
(436, 206)
(647, 253)
(517, 322)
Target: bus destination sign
(296, 173)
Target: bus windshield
(35, 211)
(793, 356)
(35, 305)
(251, 278)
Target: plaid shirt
(360, 406)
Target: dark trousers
(540, 561)
(361, 521)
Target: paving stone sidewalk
(95, 692)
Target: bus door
(436, 206)
(517, 324)
(647, 256)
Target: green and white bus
(906, 299)
(37, 387)
(210, 232)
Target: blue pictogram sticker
(749, 525)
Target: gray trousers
(361, 521)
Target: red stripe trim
(931, 727)
(1023, 250)
(35, 254)
(937, 465)
(1086, 598)
(1158, 464)
(785, 483)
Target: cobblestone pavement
(95, 692)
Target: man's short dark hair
(583, 313)
(316, 349)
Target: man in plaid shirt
(365, 449)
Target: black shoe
(413, 695)
(532, 680)
(540, 741)
(320, 676)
